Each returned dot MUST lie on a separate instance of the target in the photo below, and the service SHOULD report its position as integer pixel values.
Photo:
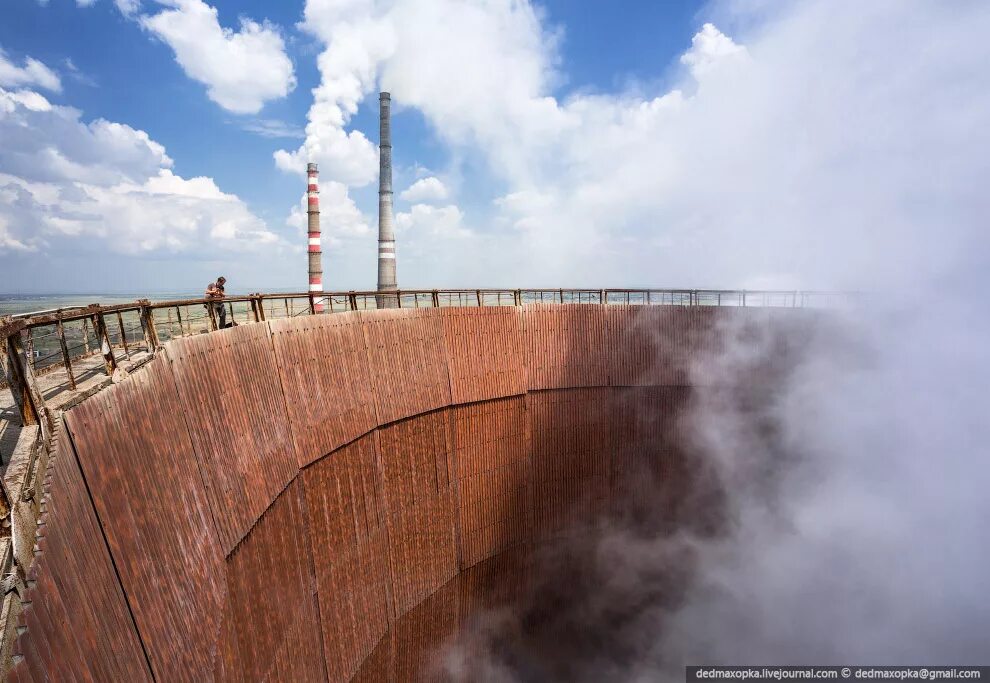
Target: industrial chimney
(315, 254)
(386, 226)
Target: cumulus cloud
(31, 73)
(430, 189)
(709, 48)
(340, 218)
(67, 183)
(438, 56)
(241, 69)
(439, 222)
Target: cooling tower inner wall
(271, 501)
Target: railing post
(517, 297)
(477, 294)
(28, 397)
(66, 359)
(109, 360)
(29, 347)
(178, 315)
(212, 314)
(147, 315)
(312, 304)
(352, 300)
(602, 297)
(435, 296)
(398, 299)
(85, 331)
(123, 333)
(744, 297)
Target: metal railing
(43, 341)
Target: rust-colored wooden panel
(484, 352)
(664, 345)
(350, 552)
(570, 450)
(229, 387)
(491, 456)
(565, 345)
(650, 430)
(145, 480)
(272, 610)
(417, 485)
(324, 367)
(79, 625)
(407, 363)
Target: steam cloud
(856, 506)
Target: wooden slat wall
(272, 602)
(235, 410)
(569, 449)
(430, 441)
(350, 551)
(148, 489)
(417, 487)
(565, 345)
(494, 477)
(406, 359)
(484, 353)
(324, 367)
(75, 585)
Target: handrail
(122, 329)
(9, 324)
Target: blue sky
(111, 67)
(146, 145)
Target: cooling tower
(278, 500)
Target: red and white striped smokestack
(315, 253)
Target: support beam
(66, 358)
(123, 333)
(24, 387)
(151, 341)
(109, 360)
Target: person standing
(215, 294)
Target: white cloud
(273, 128)
(426, 221)
(103, 185)
(241, 69)
(430, 189)
(340, 218)
(347, 71)
(128, 7)
(709, 48)
(31, 73)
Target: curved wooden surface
(265, 502)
